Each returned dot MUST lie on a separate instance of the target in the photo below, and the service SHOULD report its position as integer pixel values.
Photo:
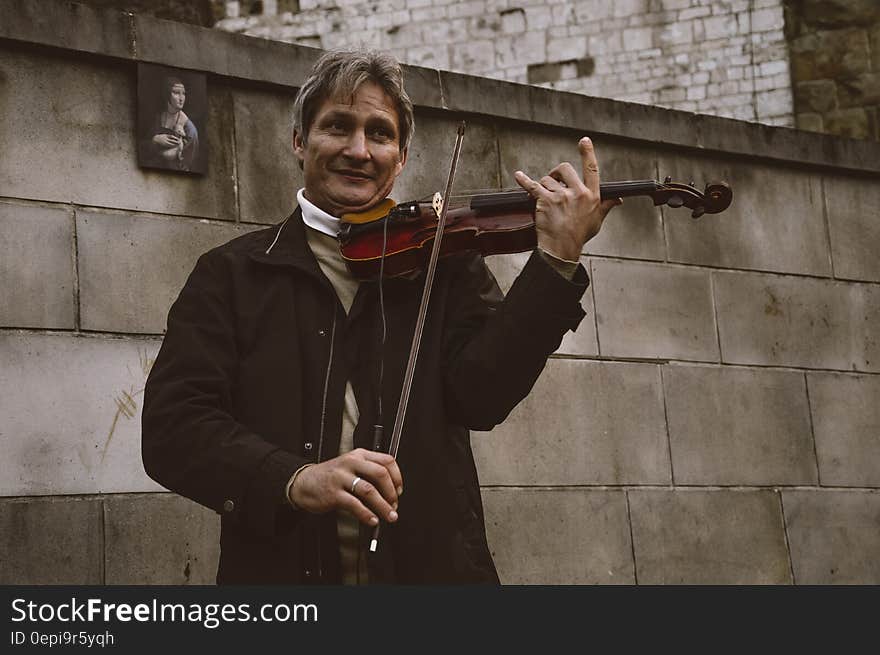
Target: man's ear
(298, 146)
(402, 161)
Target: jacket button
(308, 445)
(321, 332)
(308, 573)
(228, 506)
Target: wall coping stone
(122, 35)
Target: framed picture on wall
(172, 119)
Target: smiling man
(277, 363)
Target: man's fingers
(380, 477)
(590, 164)
(368, 496)
(566, 173)
(386, 460)
(351, 504)
(535, 189)
(607, 205)
(551, 183)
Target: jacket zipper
(323, 421)
(326, 385)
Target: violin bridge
(437, 204)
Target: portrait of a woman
(169, 136)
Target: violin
(392, 240)
(396, 239)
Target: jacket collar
(286, 245)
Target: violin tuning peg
(693, 184)
(698, 211)
(667, 179)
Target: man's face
(353, 153)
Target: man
(277, 363)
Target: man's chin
(356, 205)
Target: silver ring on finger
(354, 484)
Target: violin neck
(628, 189)
(520, 199)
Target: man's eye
(382, 134)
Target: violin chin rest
(379, 211)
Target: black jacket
(249, 385)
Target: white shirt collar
(317, 218)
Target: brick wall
(726, 58)
(714, 419)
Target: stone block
(846, 424)
(834, 536)
(840, 13)
(582, 342)
(810, 122)
(631, 230)
(874, 41)
(769, 19)
(474, 57)
(71, 107)
(529, 48)
(66, 25)
(654, 310)
(159, 539)
(817, 96)
(559, 536)
(834, 54)
(708, 537)
(764, 230)
(430, 156)
(52, 541)
(850, 123)
(855, 231)
(470, 94)
(773, 103)
(583, 423)
(423, 84)
(268, 171)
(36, 266)
(513, 21)
(735, 426)
(790, 321)
(71, 414)
(748, 138)
(860, 91)
(230, 55)
(131, 268)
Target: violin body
(412, 227)
(400, 241)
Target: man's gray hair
(340, 73)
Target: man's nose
(356, 148)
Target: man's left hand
(569, 211)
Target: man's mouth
(353, 174)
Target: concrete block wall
(722, 58)
(713, 420)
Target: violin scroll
(715, 199)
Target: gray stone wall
(714, 419)
(719, 57)
(835, 57)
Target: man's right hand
(329, 486)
